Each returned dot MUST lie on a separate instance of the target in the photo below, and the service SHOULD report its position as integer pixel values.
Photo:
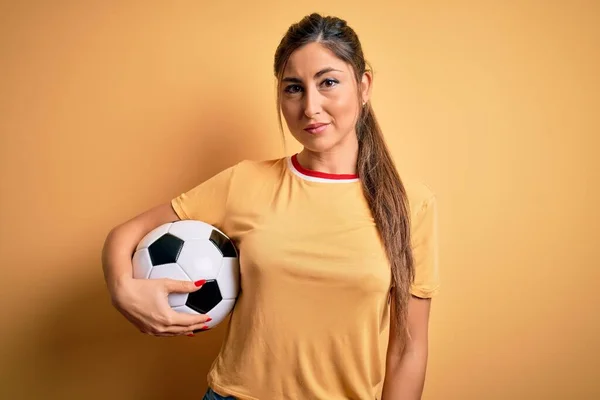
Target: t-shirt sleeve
(424, 238)
(207, 202)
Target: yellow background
(109, 108)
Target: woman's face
(319, 88)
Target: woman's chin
(310, 140)
(322, 143)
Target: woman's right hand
(144, 302)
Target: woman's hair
(381, 182)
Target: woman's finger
(183, 319)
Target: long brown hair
(381, 182)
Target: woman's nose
(312, 102)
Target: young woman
(338, 254)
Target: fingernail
(209, 319)
(190, 334)
(204, 327)
(200, 282)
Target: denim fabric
(211, 395)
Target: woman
(338, 255)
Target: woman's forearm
(405, 375)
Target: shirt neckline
(317, 176)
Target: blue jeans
(211, 395)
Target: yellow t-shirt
(311, 320)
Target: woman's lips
(317, 129)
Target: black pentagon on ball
(165, 249)
(223, 243)
(204, 299)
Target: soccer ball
(192, 250)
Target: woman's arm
(122, 240)
(405, 368)
(144, 301)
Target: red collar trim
(317, 174)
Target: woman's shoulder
(419, 193)
(250, 169)
(260, 163)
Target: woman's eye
(330, 82)
(292, 88)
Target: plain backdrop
(108, 108)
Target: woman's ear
(366, 85)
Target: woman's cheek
(289, 115)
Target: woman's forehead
(307, 60)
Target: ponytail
(388, 202)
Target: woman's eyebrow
(321, 72)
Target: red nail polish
(190, 334)
(209, 319)
(204, 327)
(200, 282)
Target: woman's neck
(332, 162)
